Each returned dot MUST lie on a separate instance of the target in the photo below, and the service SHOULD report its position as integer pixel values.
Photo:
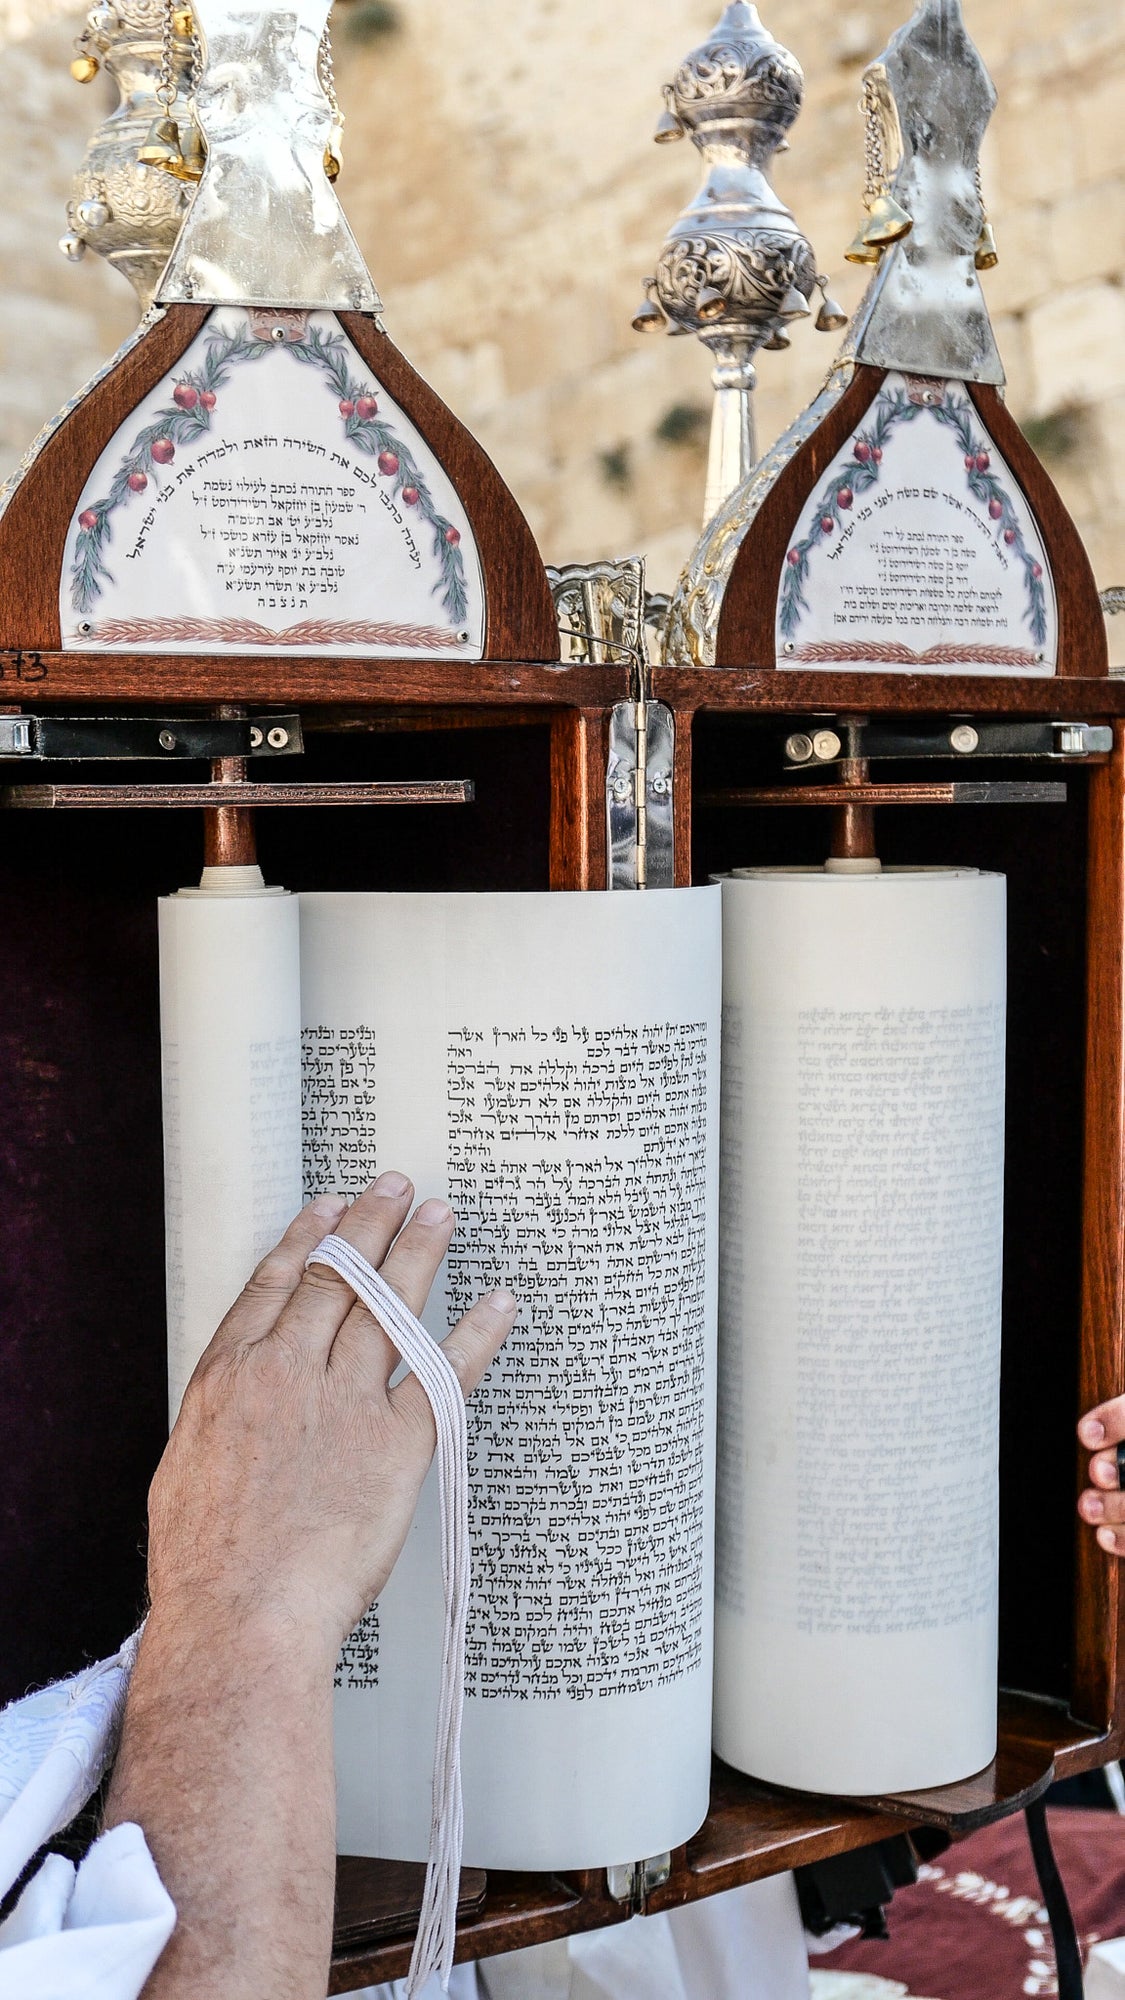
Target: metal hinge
(635, 1881)
(639, 796)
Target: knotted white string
(437, 1924)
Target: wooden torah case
(509, 767)
(82, 1225)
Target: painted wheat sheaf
(895, 654)
(247, 632)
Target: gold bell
(986, 256)
(183, 23)
(831, 317)
(709, 303)
(648, 318)
(162, 147)
(334, 153)
(860, 251)
(84, 69)
(887, 222)
(668, 126)
(194, 157)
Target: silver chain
(327, 74)
(166, 88)
(874, 160)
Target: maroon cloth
(974, 1928)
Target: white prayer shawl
(95, 1932)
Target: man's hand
(276, 1515)
(293, 1472)
(1103, 1503)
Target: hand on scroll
(275, 1518)
(1103, 1503)
(291, 1477)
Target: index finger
(1103, 1425)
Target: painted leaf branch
(188, 418)
(842, 488)
(183, 421)
(372, 435)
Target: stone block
(1100, 122)
(1077, 346)
(1084, 234)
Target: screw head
(166, 740)
(964, 738)
(826, 745)
(255, 737)
(798, 748)
(277, 738)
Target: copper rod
(228, 798)
(230, 838)
(952, 792)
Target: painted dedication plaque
(270, 494)
(918, 551)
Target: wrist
(237, 1628)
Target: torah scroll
(549, 1063)
(861, 1240)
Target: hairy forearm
(226, 1765)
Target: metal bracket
(634, 1881)
(821, 745)
(121, 739)
(639, 796)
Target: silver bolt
(622, 790)
(964, 738)
(255, 737)
(277, 333)
(661, 786)
(85, 627)
(798, 749)
(277, 739)
(826, 745)
(166, 740)
(462, 638)
(789, 646)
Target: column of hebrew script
(863, 1123)
(549, 1063)
(230, 1037)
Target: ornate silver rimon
(735, 268)
(128, 213)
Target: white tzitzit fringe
(437, 1924)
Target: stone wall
(500, 176)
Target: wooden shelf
(38, 678)
(751, 1831)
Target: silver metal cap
(265, 227)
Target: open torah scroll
(551, 1064)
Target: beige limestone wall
(500, 176)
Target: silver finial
(265, 227)
(924, 312)
(735, 268)
(128, 213)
